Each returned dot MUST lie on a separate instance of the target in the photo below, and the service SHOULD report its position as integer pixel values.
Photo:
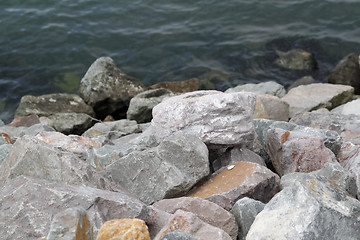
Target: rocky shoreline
(174, 162)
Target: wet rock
(24, 121)
(296, 151)
(177, 235)
(140, 108)
(189, 85)
(347, 72)
(245, 211)
(270, 107)
(310, 97)
(238, 180)
(207, 211)
(166, 171)
(270, 88)
(124, 229)
(352, 107)
(107, 89)
(216, 118)
(296, 59)
(13, 133)
(302, 81)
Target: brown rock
(179, 87)
(124, 229)
(271, 107)
(25, 121)
(238, 180)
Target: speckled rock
(124, 229)
(270, 87)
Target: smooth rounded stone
(270, 88)
(72, 223)
(49, 104)
(245, 211)
(140, 107)
(165, 171)
(296, 151)
(312, 209)
(352, 107)
(296, 59)
(347, 72)
(124, 229)
(24, 121)
(4, 151)
(13, 133)
(177, 235)
(189, 85)
(271, 107)
(302, 81)
(107, 89)
(217, 118)
(310, 97)
(236, 181)
(189, 223)
(207, 211)
(28, 206)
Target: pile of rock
(254, 162)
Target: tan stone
(271, 107)
(189, 85)
(118, 229)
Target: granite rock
(296, 59)
(124, 229)
(189, 85)
(270, 88)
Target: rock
(13, 133)
(189, 85)
(302, 81)
(4, 151)
(217, 118)
(270, 107)
(107, 89)
(124, 229)
(27, 206)
(71, 223)
(270, 88)
(352, 107)
(140, 108)
(245, 211)
(207, 211)
(314, 208)
(310, 97)
(347, 72)
(166, 171)
(348, 126)
(25, 121)
(296, 59)
(238, 180)
(296, 151)
(189, 223)
(177, 235)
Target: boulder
(124, 229)
(217, 118)
(107, 89)
(165, 171)
(189, 85)
(11, 134)
(306, 98)
(296, 151)
(238, 180)
(270, 88)
(302, 81)
(177, 235)
(207, 211)
(140, 108)
(296, 59)
(347, 72)
(271, 107)
(24, 121)
(352, 107)
(245, 211)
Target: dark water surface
(47, 46)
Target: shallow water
(47, 46)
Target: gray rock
(352, 107)
(347, 72)
(4, 151)
(166, 171)
(217, 118)
(1, 123)
(140, 108)
(245, 211)
(16, 132)
(177, 235)
(296, 59)
(270, 87)
(310, 97)
(107, 89)
(302, 81)
(270, 107)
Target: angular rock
(13, 133)
(140, 108)
(270, 107)
(4, 151)
(310, 97)
(189, 85)
(25, 121)
(216, 118)
(296, 151)
(72, 223)
(207, 211)
(238, 180)
(270, 88)
(302, 81)
(347, 72)
(245, 211)
(124, 229)
(177, 235)
(166, 171)
(352, 107)
(107, 89)
(296, 59)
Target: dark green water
(47, 46)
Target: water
(47, 46)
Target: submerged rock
(296, 59)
